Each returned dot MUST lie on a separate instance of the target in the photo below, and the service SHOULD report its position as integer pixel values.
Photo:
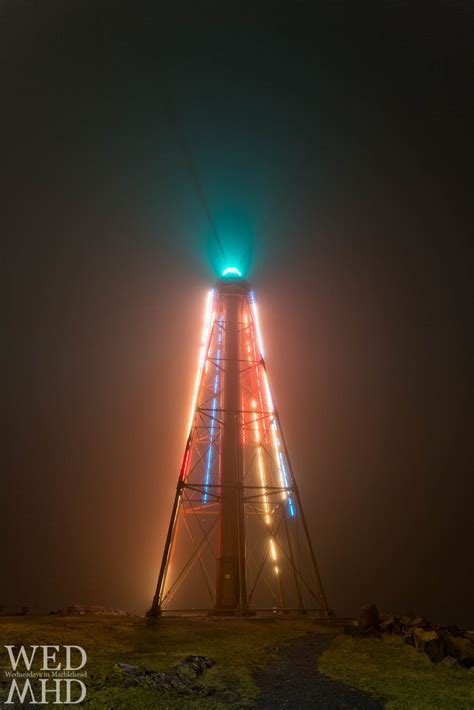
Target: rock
(386, 620)
(454, 630)
(182, 685)
(390, 623)
(192, 667)
(402, 625)
(199, 663)
(406, 620)
(369, 617)
(461, 648)
(397, 626)
(387, 624)
(162, 682)
(181, 678)
(430, 643)
(131, 670)
(420, 622)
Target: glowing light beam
(214, 407)
(276, 442)
(256, 321)
(202, 355)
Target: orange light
(202, 354)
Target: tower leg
(324, 604)
(155, 609)
(293, 564)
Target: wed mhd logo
(58, 681)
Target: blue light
(214, 407)
(231, 271)
(285, 477)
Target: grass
(405, 678)
(237, 646)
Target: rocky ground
(267, 663)
(449, 645)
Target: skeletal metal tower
(237, 540)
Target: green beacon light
(231, 271)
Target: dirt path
(293, 681)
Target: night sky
(332, 144)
